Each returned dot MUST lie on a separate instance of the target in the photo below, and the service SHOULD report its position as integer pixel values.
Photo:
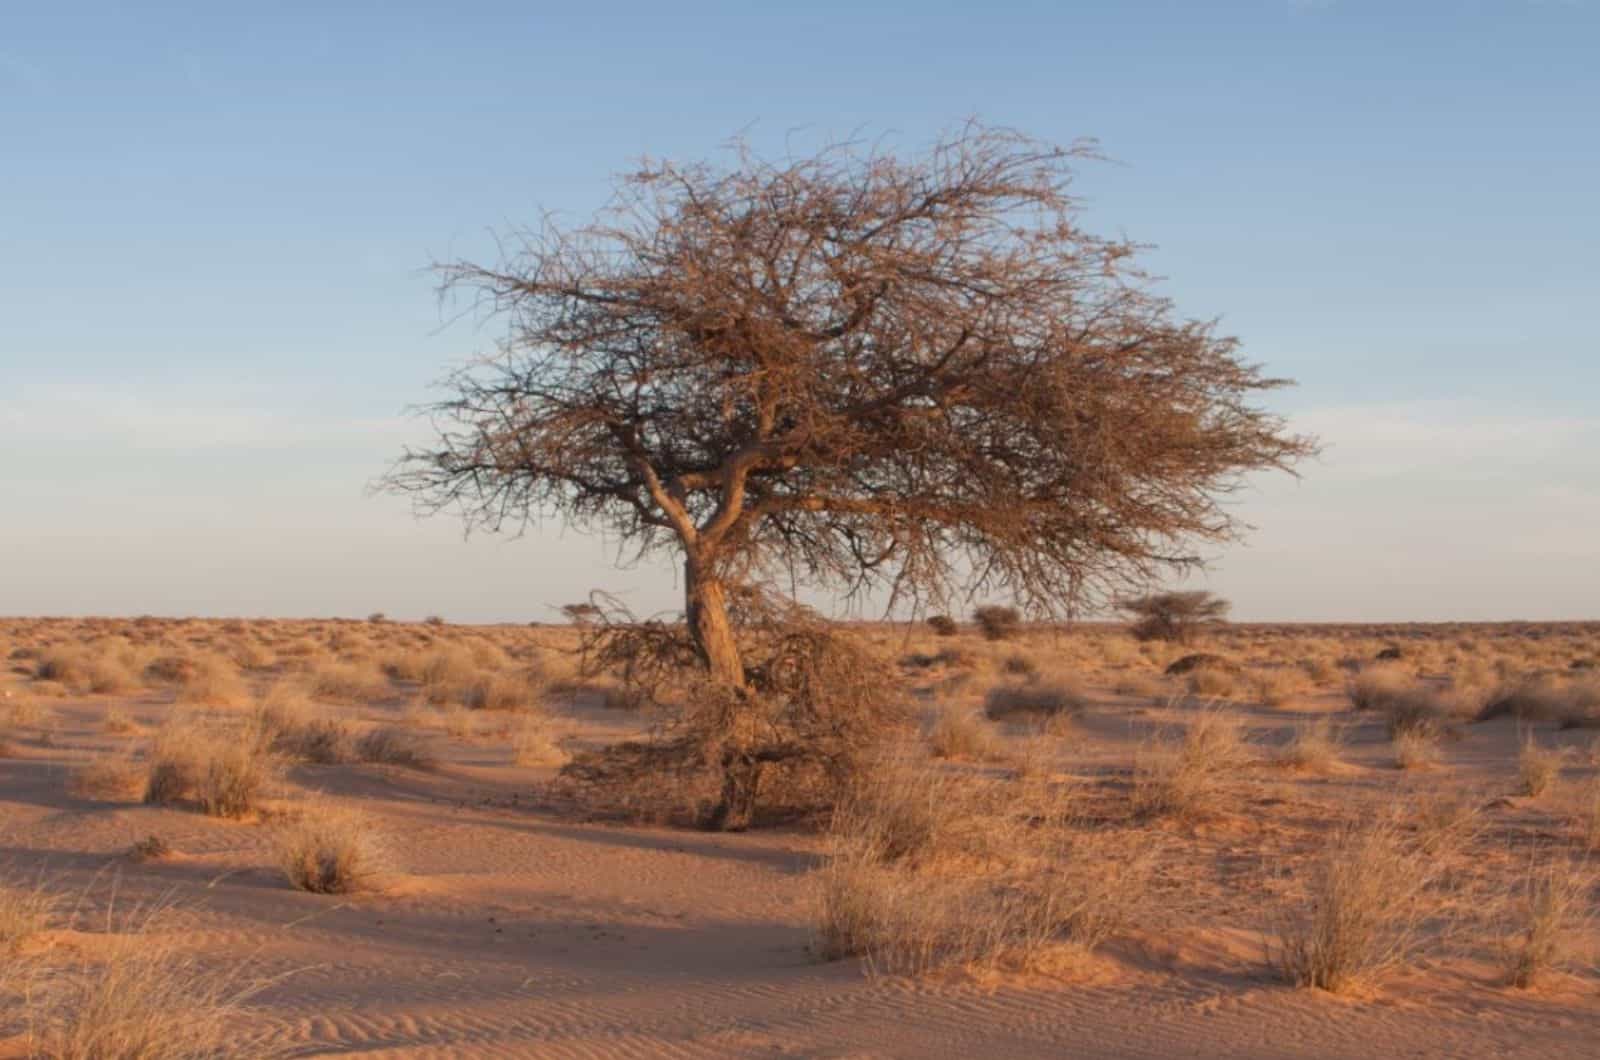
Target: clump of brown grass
(348, 681)
(141, 998)
(960, 733)
(910, 918)
(1054, 695)
(1543, 920)
(445, 669)
(26, 909)
(1545, 697)
(1314, 747)
(212, 680)
(532, 743)
(503, 691)
(1415, 748)
(394, 746)
(1538, 768)
(1379, 687)
(300, 730)
(1363, 914)
(1178, 776)
(328, 851)
(1274, 687)
(1212, 681)
(118, 723)
(109, 778)
(223, 772)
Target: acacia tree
(907, 375)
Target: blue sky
(214, 228)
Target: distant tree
(1174, 616)
(912, 375)
(377, 618)
(943, 625)
(997, 623)
(433, 620)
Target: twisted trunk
(706, 608)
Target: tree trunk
(706, 608)
(741, 783)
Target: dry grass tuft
(960, 733)
(224, 772)
(109, 778)
(532, 743)
(1538, 768)
(328, 851)
(25, 911)
(141, 998)
(1045, 696)
(348, 681)
(1178, 777)
(1363, 913)
(393, 746)
(1314, 747)
(1543, 920)
(1415, 748)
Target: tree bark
(706, 608)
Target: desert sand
(510, 920)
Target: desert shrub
(1542, 920)
(109, 778)
(909, 913)
(1188, 664)
(532, 743)
(1544, 697)
(1177, 617)
(224, 772)
(1178, 776)
(328, 851)
(1364, 910)
(1043, 697)
(943, 625)
(212, 680)
(1379, 687)
(817, 702)
(434, 620)
(1415, 748)
(348, 682)
(394, 746)
(68, 666)
(297, 729)
(1213, 682)
(140, 998)
(1274, 687)
(997, 623)
(960, 733)
(118, 723)
(377, 618)
(150, 848)
(501, 691)
(26, 909)
(1313, 748)
(1538, 768)
(444, 670)
(233, 777)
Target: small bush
(1415, 748)
(349, 682)
(496, 691)
(394, 746)
(943, 625)
(109, 778)
(1314, 747)
(140, 998)
(960, 733)
(1177, 777)
(213, 681)
(1047, 697)
(997, 623)
(25, 911)
(1363, 912)
(1212, 682)
(1543, 920)
(532, 744)
(1538, 768)
(328, 851)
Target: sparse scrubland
(1032, 813)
